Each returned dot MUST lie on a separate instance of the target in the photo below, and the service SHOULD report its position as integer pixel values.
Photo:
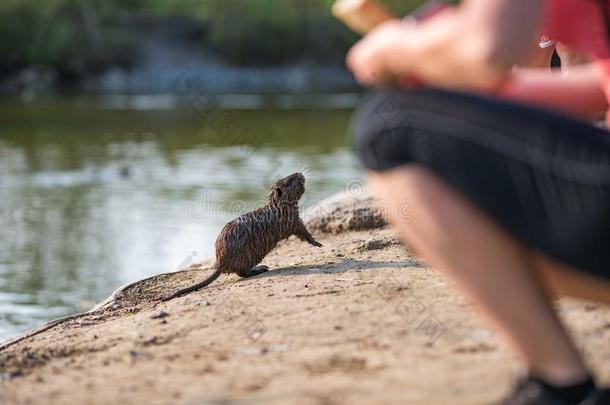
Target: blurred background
(132, 130)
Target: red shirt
(583, 26)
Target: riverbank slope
(361, 320)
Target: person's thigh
(543, 177)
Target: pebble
(160, 315)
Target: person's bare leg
(566, 281)
(488, 263)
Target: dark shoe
(532, 392)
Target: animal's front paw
(316, 243)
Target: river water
(97, 192)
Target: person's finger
(353, 56)
(361, 61)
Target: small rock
(11, 375)
(160, 315)
(376, 244)
(151, 341)
(135, 355)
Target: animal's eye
(278, 191)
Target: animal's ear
(278, 192)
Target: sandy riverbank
(359, 321)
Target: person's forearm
(577, 92)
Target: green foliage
(83, 35)
(71, 35)
(273, 31)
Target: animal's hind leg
(254, 271)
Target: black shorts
(542, 176)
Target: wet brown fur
(247, 239)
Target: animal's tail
(195, 287)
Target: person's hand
(369, 58)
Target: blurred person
(506, 166)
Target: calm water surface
(94, 195)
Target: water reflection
(93, 198)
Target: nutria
(247, 239)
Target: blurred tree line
(79, 37)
